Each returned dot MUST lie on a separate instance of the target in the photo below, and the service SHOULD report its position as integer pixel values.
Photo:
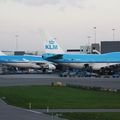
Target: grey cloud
(51, 2)
(3, 1)
(38, 2)
(61, 3)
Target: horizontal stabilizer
(52, 56)
(59, 56)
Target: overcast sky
(70, 21)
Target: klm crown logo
(51, 42)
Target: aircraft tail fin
(51, 46)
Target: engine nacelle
(51, 67)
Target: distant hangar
(110, 46)
(104, 47)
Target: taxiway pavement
(47, 79)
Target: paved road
(8, 112)
(43, 79)
(77, 110)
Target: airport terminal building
(110, 46)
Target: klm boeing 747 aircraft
(54, 53)
(25, 61)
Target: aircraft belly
(95, 66)
(24, 65)
(74, 65)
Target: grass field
(91, 116)
(59, 97)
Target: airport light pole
(16, 36)
(95, 33)
(113, 34)
(88, 40)
(88, 43)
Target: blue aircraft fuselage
(113, 57)
(20, 59)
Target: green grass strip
(90, 116)
(59, 97)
